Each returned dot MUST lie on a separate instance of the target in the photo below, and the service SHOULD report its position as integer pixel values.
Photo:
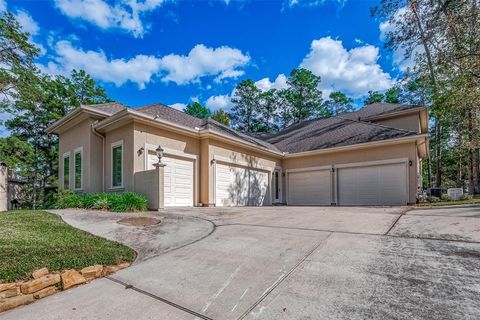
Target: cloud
(219, 102)
(201, 62)
(125, 15)
(311, 3)
(178, 106)
(222, 62)
(3, 5)
(355, 71)
(265, 84)
(26, 21)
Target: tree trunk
(459, 174)
(438, 154)
(475, 175)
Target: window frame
(66, 155)
(76, 151)
(114, 145)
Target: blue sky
(145, 51)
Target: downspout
(101, 136)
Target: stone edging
(45, 283)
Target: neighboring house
(369, 157)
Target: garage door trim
(371, 164)
(178, 154)
(305, 169)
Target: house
(369, 157)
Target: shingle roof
(173, 115)
(110, 107)
(332, 132)
(165, 112)
(378, 109)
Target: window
(78, 168)
(117, 164)
(66, 170)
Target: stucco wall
(404, 150)
(124, 134)
(79, 135)
(145, 134)
(409, 122)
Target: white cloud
(138, 69)
(355, 71)
(26, 21)
(178, 106)
(200, 62)
(125, 15)
(265, 84)
(3, 5)
(219, 102)
(222, 62)
(311, 3)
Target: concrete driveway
(284, 263)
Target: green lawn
(450, 203)
(30, 240)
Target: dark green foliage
(197, 110)
(303, 95)
(116, 202)
(338, 103)
(222, 117)
(246, 115)
(30, 240)
(373, 97)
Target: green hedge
(116, 202)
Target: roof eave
(72, 115)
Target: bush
(433, 199)
(446, 197)
(68, 199)
(117, 202)
(466, 196)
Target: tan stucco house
(369, 157)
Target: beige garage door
(372, 185)
(240, 186)
(178, 180)
(310, 188)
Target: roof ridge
(377, 125)
(169, 107)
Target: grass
(450, 203)
(30, 240)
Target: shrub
(128, 201)
(433, 199)
(117, 202)
(446, 197)
(466, 196)
(68, 199)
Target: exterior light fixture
(159, 152)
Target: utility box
(435, 192)
(455, 193)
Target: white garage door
(178, 180)
(373, 185)
(239, 186)
(310, 188)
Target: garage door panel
(309, 187)
(239, 186)
(372, 185)
(178, 180)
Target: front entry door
(277, 186)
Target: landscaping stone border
(45, 283)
